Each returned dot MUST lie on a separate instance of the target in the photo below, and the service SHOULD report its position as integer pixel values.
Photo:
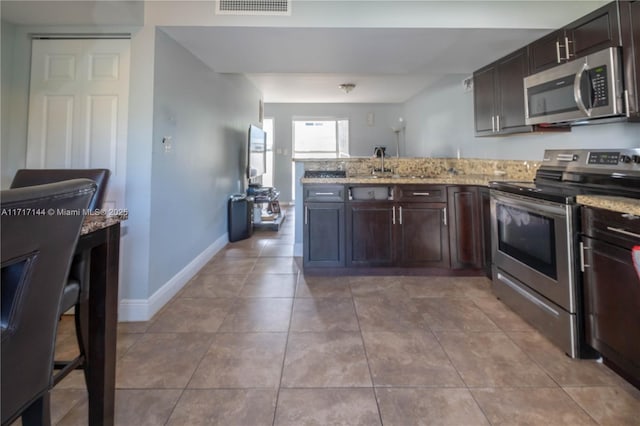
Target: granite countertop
(616, 204)
(460, 179)
(95, 222)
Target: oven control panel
(623, 160)
(609, 158)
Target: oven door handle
(577, 91)
(519, 202)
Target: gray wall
(134, 245)
(8, 41)
(440, 120)
(188, 188)
(362, 137)
(207, 115)
(16, 59)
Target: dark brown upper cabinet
(630, 29)
(547, 51)
(498, 96)
(591, 33)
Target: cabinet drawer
(324, 192)
(422, 193)
(617, 228)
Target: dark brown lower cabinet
(466, 227)
(422, 235)
(370, 234)
(324, 233)
(397, 234)
(612, 289)
(424, 226)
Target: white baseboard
(145, 309)
(297, 249)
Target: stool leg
(39, 412)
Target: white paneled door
(78, 108)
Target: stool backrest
(30, 177)
(37, 243)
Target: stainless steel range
(535, 230)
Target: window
(318, 138)
(321, 138)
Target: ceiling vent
(253, 7)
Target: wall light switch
(279, 151)
(285, 151)
(370, 118)
(167, 142)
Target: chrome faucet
(378, 150)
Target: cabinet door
(630, 26)
(612, 305)
(465, 227)
(370, 234)
(422, 235)
(593, 32)
(546, 52)
(484, 100)
(510, 92)
(323, 235)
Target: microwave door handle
(577, 91)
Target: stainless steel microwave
(585, 88)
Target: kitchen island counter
(480, 180)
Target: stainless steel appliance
(535, 236)
(586, 88)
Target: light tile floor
(252, 341)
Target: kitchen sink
(323, 174)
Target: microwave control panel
(599, 86)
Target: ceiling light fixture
(347, 87)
